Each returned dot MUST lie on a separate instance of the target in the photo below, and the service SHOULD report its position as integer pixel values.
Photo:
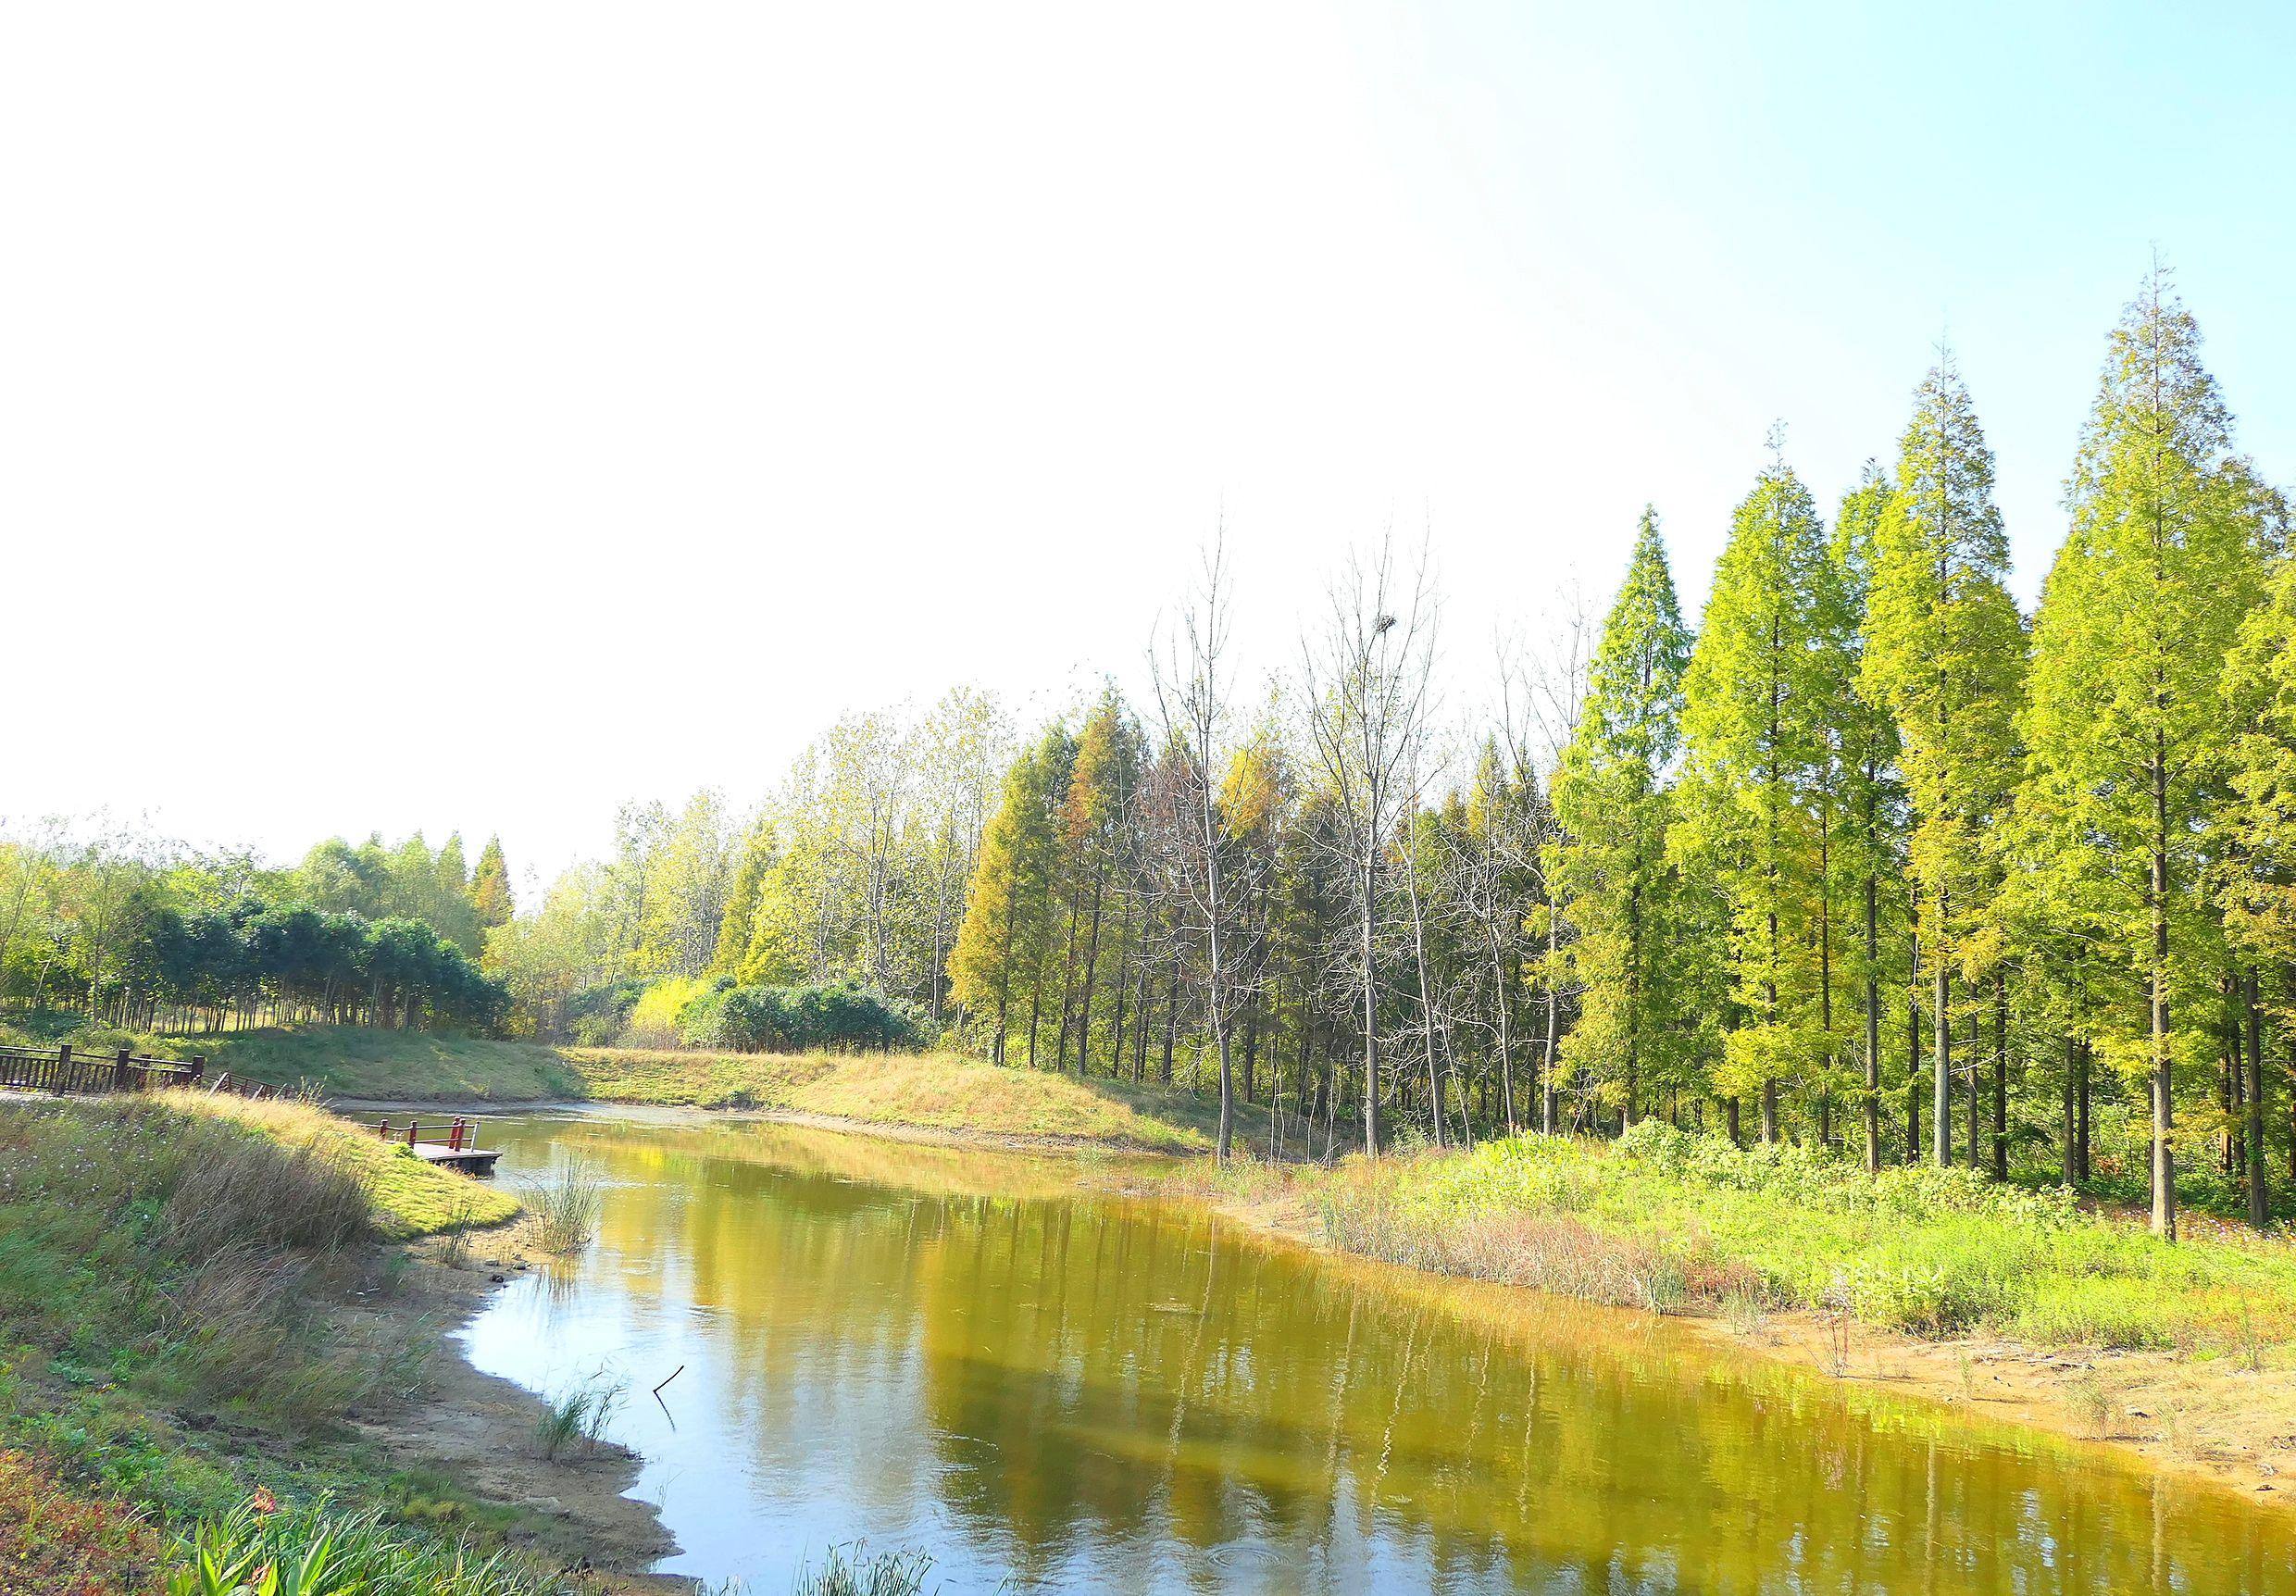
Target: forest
(1867, 859)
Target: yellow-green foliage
(938, 1090)
(1931, 1251)
(653, 1019)
(409, 1196)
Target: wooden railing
(459, 1136)
(69, 1073)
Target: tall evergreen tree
(490, 886)
(1611, 803)
(1757, 762)
(2127, 718)
(1944, 653)
(1871, 855)
(1006, 941)
(2259, 873)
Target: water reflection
(954, 1349)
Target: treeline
(1871, 859)
(130, 930)
(852, 874)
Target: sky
(470, 416)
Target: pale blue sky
(1782, 208)
(468, 416)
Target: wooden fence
(63, 1072)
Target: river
(1051, 1390)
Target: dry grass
(409, 1197)
(935, 1090)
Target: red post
(383, 1129)
(410, 1132)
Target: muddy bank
(480, 1430)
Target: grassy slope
(355, 1062)
(165, 1270)
(940, 1090)
(943, 1091)
(410, 1198)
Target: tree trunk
(1942, 1032)
(2164, 1106)
(2000, 1078)
(2259, 1196)
(1873, 1023)
(2071, 1109)
(1092, 972)
(1370, 1009)
(2085, 1059)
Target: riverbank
(1934, 1284)
(943, 1093)
(232, 1315)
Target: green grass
(319, 1552)
(409, 1196)
(342, 1061)
(169, 1266)
(1662, 1218)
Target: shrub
(56, 1539)
(796, 1019)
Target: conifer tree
(1611, 804)
(1944, 653)
(2259, 877)
(1094, 815)
(1756, 755)
(2127, 718)
(490, 886)
(1006, 937)
(1870, 857)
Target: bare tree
(1540, 700)
(1192, 684)
(1369, 678)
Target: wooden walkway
(61, 1072)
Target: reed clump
(566, 1204)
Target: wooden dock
(469, 1160)
(454, 1145)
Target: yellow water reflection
(1048, 1390)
